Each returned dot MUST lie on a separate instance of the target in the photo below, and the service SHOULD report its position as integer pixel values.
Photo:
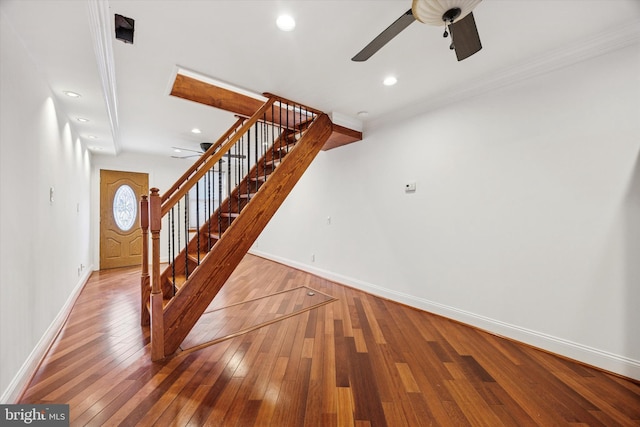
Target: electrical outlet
(313, 257)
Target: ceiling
(125, 87)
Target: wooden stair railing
(211, 231)
(173, 300)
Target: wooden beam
(341, 136)
(237, 103)
(214, 96)
(243, 105)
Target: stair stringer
(184, 310)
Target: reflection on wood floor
(221, 323)
(356, 361)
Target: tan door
(120, 235)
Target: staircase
(216, 210)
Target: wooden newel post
(157, 319)
(145, 283)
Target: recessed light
(286, 22)
(177, 150)
(82, 119)
(92, 137)
(196, 131)
(363, 114)
(96, 148)
(390, 81)
(71, 94)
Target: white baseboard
(607, 361)
(21, 380)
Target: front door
(120, 234)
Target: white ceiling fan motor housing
(431, 11)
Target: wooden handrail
(201, 159)
(214, 147)
(213, 159)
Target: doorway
(120, 234)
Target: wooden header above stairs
(244, 105)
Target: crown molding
(101, 33)
(563, 57)
(603, 43)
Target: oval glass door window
(125, 207)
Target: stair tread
(194, 256)
(280, 152)
(274, 162)
(261, 178)
(246, 196)
(179, 281)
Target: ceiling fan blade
(385, 36)
(193, 155)
(185, 157)
(235, 156)
(466, 40)
(186, 149)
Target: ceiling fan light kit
(455, 15)
(432, 12)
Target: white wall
(526, 218)
(163, 172)
(38, 150)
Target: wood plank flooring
(356, 361)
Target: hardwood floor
(357, 360)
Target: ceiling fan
(455, 15)
(204, 146)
